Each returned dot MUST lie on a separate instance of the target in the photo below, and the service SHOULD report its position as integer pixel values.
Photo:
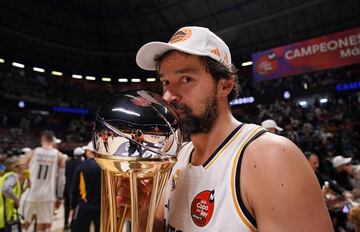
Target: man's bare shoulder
(276, 180)
(273, 148)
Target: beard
(195, 124)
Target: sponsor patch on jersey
(202, 207)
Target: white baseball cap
(269, 123)
(89, 147)
(78, 151)
(340, 160)
(57, 141)
(26, 150)
(198, 41)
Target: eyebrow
(182, 71)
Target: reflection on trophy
(136, 137)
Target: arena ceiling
(101, 37)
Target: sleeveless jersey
(43, 174)
(207, 197)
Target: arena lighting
(303, 103)
(106, 79)
(90, 78)
(242, 100)
(247, 63)
(70, 110)
(76, 76)
(123, 80)
(150, 79)
(135, 80)
(56, 73)
(36, 69)
(2, 60)
(305, 86)
(21, 104)
(16, 64)
(286, 95)
(323, 100)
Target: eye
(186, 79)
(165, 82)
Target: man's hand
(348, 195)
(16, 204)
(58, 204)
(123, 196)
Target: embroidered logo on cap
(216, 52)
(181, 35)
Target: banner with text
(325, 52)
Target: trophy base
(134, 169)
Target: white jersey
(207, 197)
(43, 168)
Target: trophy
(136, 137)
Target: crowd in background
(326, 129)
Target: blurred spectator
(70, 167)
(314, 163)
(342, 164)
(354, 217)
(86, 193)
(47, 176)
(271, 126)
(10, 185)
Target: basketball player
(232, 176)
(47, 177)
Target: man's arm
(61, 176)
(8, 187)
(280, 189)
(28, 157)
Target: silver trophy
(136, 136)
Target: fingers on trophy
(136, 137)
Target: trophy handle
(134, 201)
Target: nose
(171, 96)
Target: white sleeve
(9, 184)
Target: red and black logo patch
(202, 208)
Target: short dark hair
(48, 135)
(216, 69)
(309, 153)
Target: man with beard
(231, 176)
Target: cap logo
(181, 35)
(216, 52)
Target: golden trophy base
(134, 169)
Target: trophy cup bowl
(136, 136)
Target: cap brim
(145, 57)
(279, 128)
(347, 160)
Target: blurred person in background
(314, 162)
(354, 217)
(10, 185)
(70, 167)
(343, 165)
(271, 126)
(86, 193)
(47, 177)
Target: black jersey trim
(237, 180)
(221, 145)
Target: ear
(225, 87)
